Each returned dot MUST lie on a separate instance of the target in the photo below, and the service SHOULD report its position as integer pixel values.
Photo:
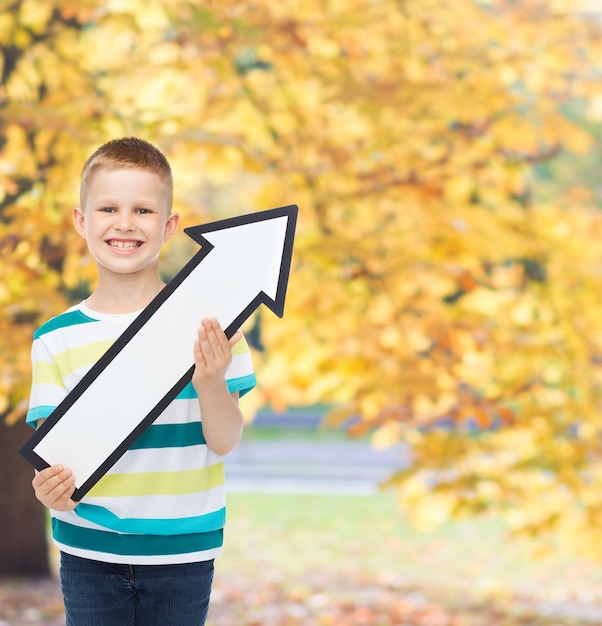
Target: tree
(33, 138)
(434, 292)
(23, 521)
(55, 104)
(435, 296)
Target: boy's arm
(222, 418)
(54, 485)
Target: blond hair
(127, 152)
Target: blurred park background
(444, 310)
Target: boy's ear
(171, 226)
(79, 222)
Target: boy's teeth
(124, 244)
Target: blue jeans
(109, 594)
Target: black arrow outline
(196, 233)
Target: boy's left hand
(212, 354)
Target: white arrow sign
(243, 262)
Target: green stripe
(70, 318)
(46, 373)
(170, 436)
(147, 545)
(240, 347)
(81, 356)
(159, 483)
(65, 363)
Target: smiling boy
(139, 547)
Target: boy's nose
(125, 222)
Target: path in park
(293, 463)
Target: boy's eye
(107, 209)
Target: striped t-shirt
(163, 502)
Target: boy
(139, 547)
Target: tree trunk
(23, 544)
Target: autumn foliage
(443, 293)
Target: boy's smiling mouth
(120, 244)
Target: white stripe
(165, 460)
(81, 335)
(136, 559)
(241, 365)
(164, 507)
(180, 412)
(71, 517)
(50, 395)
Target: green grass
(297, 536)
(302, 536)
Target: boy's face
(125, 220)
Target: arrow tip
(274, 297)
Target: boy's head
(124, 153)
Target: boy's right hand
(54, 486)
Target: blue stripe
(144, 545)
(242, 384)
(37, 413)
(71, 318)
(165, 527)
(170, 436)
(188, 393)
